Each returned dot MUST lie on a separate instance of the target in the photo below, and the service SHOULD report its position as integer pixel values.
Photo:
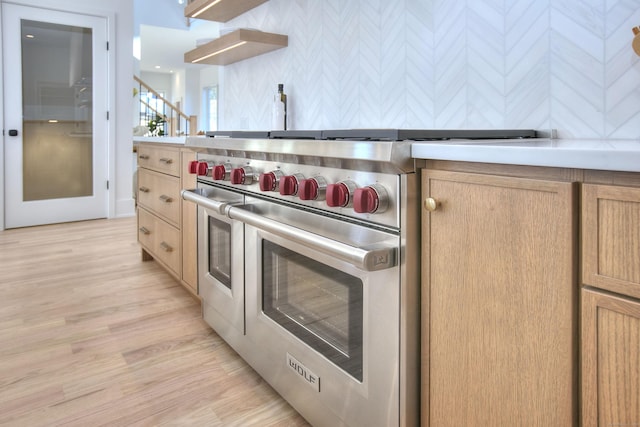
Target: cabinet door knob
(166, 198)
(144, 230)
(166, 247)
(143, 189)
(166, 160)
(431, 204)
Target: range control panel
(364, 195)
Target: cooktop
(381, 134)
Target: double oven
(308, 263)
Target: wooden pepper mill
(636, 40)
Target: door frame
(1, 127)
(80, 7)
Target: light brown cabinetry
(499, 301)
(166, 225)
(610, 360)
(189, 225)
(157, 193)
(610, 323)
(611, 238)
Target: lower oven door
(220, 266)
(326, 333)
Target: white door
(55, 105)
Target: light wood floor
(92, 336)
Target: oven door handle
(205, 202)
(374, 258)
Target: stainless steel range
(309, 264)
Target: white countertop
(165, 139)
(610, 154)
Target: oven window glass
(220, 251)
(320, 305)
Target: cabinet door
(610, 360)
(611, 238)
(499, 302)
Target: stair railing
(161, 117)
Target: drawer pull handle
(143, 157)
(144, 189)
(166, 160)
(166, 199)
(144, 230)
(166, 247)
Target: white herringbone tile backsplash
(472, 64)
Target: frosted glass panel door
(56, 156)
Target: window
(152, 112)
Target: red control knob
(269, 181)
(289, 185)
(242, 175)
(370, 199)
(337, 195)
(365, 200)
(220, 173)
(202, 168)
(308, 189)
(193, 167)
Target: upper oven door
(327, 331)
(220, 266)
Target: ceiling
(165, 47)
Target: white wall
(561, 64)
(178, 90)
(190, 83)
(120, 20)
(197, 80)
(160, 82)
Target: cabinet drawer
(160, 194)
(611, 238)
(165, 160)
(610, 357)
(160, 239)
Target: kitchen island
(530, 282)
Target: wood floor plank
(91, 335)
